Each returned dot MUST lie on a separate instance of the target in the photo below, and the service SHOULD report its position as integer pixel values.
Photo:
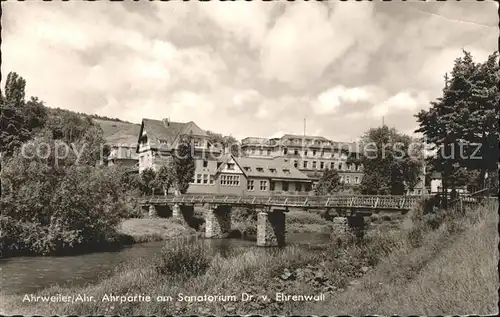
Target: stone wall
(271, 228)
(218, 222)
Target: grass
(451, 269)
(157, 229)
(433, 264)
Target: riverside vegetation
(434, 263)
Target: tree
(329, 183)
(224, 142)
(392, 162)
(13, 129)
(148, 180)
(165, 177)
(183, 165)
(462, 124)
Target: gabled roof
(168, 131)
(276, 168)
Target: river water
(24, 275)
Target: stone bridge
(271, 210)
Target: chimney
(166, 122)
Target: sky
(246, 68)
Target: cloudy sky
(246, 68)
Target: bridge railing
(349, 201)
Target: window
(298, 187)
(268, 152)
(314, 164)
(271, 186)
(341, 179)
(205, 178)
(246, 168)
(321, 165)
(305, 153)
(305, 164)
(314, 152)
(163, 141)
(205, 163)
(295, 164)
(286, 171)
(230, 180)
(347, 179)
(250, 185)
(263, 185)
(273, 170)
(340, 166)
(192, 180)
(197, 143)
(296, 152)
(356, 180)
(322, 153)
(285, 151)
(260, 169)
(212, 179)
(332, 165)
(285, 186)
(357, 167)
(230, 166)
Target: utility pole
(303, 141)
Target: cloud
(245, 68)
(401, 101)
(307, 38)
(329, 101)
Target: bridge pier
(152, 211)
(356, 224)
(340, 224)
(271, 228)
(218, 221)
(176, 211)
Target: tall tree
(462, 124)
(148, 181)
(224, 142)
(329, 183)
(13, 130)
(183, 165)
(392, 162)
(165, 176)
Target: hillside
(116, 132)
(451, 270)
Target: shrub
(52, 208)
(183, 259)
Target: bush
(50, 208)
(183, 259)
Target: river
(24, 275)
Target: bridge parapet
(310, 202)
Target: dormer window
(286, 171)
(247, 168)
(260, 169)
(163, 141)
(273, 170)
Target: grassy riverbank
(139, 230)
(418, 269)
